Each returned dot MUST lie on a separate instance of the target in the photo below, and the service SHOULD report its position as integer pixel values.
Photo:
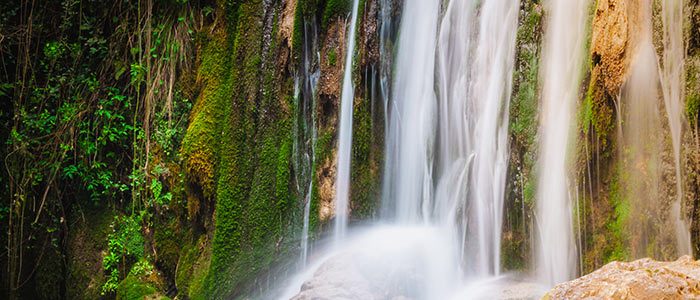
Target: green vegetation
(134, 286)
(335, 8)
(96, 112)
(692, 102)
(366, 151)
(523, 125)
(616, 246)
(125, 244)
(332, 57)
(252, 171)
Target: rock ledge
(640, 279)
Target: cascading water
(443, 190)
(305, 86)
(491, 88)
(672, 77)
(642, 145)
(454, 152)
(385, 68)
(445, 164)
(412, 120)
(473, 123)
(342, 183)
(646, 147)
(562, 60)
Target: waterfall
(305, 227)
(473, 126)
(445, 160)
(385, 67)
(672, 79)
(649, 143)
(642, 143)
(491, 90)
(305, 86)
(454, 147)
(562, 59)
(412, 120)
(342, 183)
(465, 134)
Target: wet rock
(640, 279)
(336, 279)
(326, 187)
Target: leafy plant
(124, 244)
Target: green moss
(524, 120)
(185, 266)
(332, 57)
(523, 124)
(298, 33)
(282, 184)
(136, 285)
(132, 288)
(616, 249)
(586, 111)
(365, 165)
(86, 242)
(202, 140)
(323, 151)
(253, 198)
(529, 192)
(598, 114)
(192, 269)
(167, 244)
(692, 108)
(335, 8)
(304, 10)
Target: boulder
(640, 279)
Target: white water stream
(342, 183)
(446, 161)
(672, 79)
(562, 60)
(446, 88)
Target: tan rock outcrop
(287, 22)
(640, 279)
(615, 30)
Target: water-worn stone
(640, 279)
(337, 279)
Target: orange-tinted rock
(640, 279)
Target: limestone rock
(287, 22)
(610, 41)
(640, 279)
(337, 279)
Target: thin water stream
(342, 183)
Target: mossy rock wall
(520, 186)
(87, 241)
(238, 148)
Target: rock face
(640, 279)
(337, 279)
(612, 29)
